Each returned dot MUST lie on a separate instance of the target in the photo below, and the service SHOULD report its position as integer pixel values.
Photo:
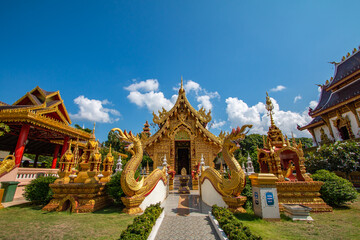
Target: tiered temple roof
(342, 90)
(48, 118)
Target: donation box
(265, 200)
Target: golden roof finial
(269, 107)
(93, 132)
(181, 83)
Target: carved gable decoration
(182, 135)
(342, 123)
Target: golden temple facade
(182, 137)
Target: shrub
(232, 226)
(142, 225)
(336, 190)
(113, 188)
(340, 156)
(38, 191)
(247, 192)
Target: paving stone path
(186, 217)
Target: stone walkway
(186, 217)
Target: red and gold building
(285, 159)
(39, 124)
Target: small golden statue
(184, 179)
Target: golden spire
(93, 132)
(269, 107)
(182, 83)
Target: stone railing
(24, 176)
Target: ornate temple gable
(182, 103)
(182, 116)
(42, 102)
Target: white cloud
(297, 98)
(147, 86)
(203, 97)
(93, 110)
(192, 86)
(239, 113)
(278, 88)
(204, 102)
(150, 97)
(153, 101)
(217, 125)
(313, 104)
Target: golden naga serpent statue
(236, 182)
(130, 186)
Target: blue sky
(119, 60)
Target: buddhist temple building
(336, 117)
(39, 124)
(182, 137)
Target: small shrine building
(336, 117)
(285, 159)
(182, 137)
(39, 124)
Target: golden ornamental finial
(269, 107)
(93, 132)
(181, 83)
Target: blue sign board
(269, 198)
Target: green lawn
(30, 222)
(343, 223)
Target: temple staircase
(177, 182)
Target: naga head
(128, 138)
(233, 139)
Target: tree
(77, 126)
(249, 146)
(306, 142)
(4, 129)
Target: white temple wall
(353, 123)
(157, 195)
(318, 133)
(335, 131)
(210, 196)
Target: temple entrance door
(344, 133)
(182, 149)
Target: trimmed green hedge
(38, 191)
(142, 225)
(336, 190)
(232, 226)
